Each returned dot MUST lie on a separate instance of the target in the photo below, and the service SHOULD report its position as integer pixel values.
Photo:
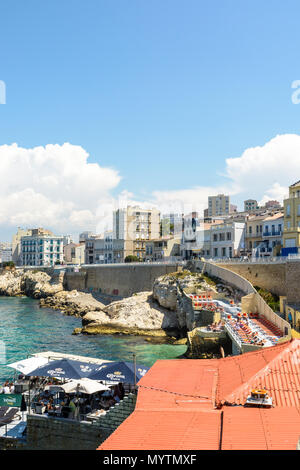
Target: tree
(131, 259)
(8, 264)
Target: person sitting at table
(50, 405)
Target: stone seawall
(269, 276)
(119, 280)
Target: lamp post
(134, 362)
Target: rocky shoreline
(163, 315)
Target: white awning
(27, 365)
(84, 385)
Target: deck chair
(3, 410)
(9, 416)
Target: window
(215, 237)
(250, 230)
(216, 251)
(223, 251)
(228, 235)
(288, 210)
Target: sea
(25, 328)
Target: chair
(9, 416)
(3, 410)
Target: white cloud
(56, 187)
(268, 170)
(52, 186)
(263, 173)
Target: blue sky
(163, 92)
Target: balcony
(273, 234)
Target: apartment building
(162, 249)
(271, 237)
(196, 240)
(5, 252)
(74, 253)
(41, 249)
(291, 234)
(250, 205)
(106, 250)
(228, 239)
(135, 226)
(218, 205)
(254, 231)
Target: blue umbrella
(119, 372)
(65, 368)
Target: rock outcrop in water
(138, 315)
(165, 314)
(35, 284)
(72, 303)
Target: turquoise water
(25, 329)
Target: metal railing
(261, 260)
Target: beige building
(218, 205)
(74, 253)
(162, 249)
(291, 233)
(136, 226)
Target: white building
(227, 239)
(41, 250)
(271, 236)
(5, 252)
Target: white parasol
(84, 385)
(27, 365)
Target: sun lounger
(3, 410)
(9, 416)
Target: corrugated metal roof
(177, 399)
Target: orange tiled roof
(180, 403)
(260, 429)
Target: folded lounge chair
(3, 410)
(8, 417)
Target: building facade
(228, 240)
(291, 234)
(271, 236)
(250, 205)
(162, 249)
(74, 253)
(41, 249)
(136, 226)
(218, 205)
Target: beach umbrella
(65, 368)
(119, 372)
(27, 365)
(84, 385)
